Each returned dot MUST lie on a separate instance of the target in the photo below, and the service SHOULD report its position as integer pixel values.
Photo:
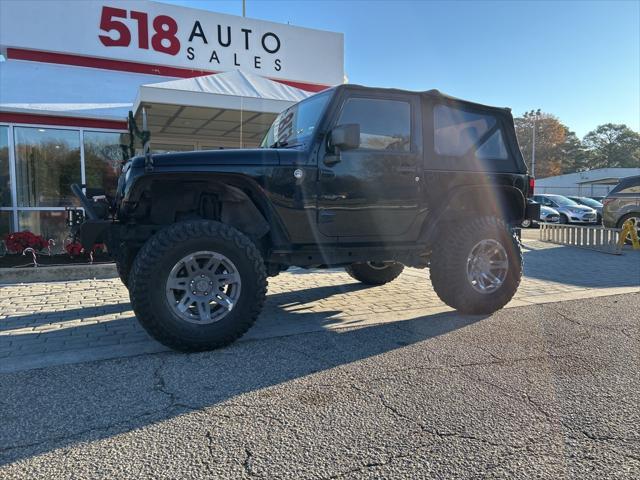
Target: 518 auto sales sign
(152, 33)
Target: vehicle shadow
(44, 410)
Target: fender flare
(502, 206)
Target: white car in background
(570, 211)
(547, 214)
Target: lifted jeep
(364, 178)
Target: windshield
(296, 124)
(589, 201)
(563, 201)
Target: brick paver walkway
(64, 322)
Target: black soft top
(433, 93)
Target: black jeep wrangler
(369, 179)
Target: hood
(253, 156)
(548, 210)
(579, 208)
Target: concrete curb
(62, 273)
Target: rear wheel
(476, 265)
(375, 273)
(198, 285)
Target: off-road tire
(159, 255)
(365, 273)
(448, 270)
(124, 261)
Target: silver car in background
(589, 202)
(547, 214)
(570, 211)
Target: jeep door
(372, 191)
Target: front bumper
(87, 226)
(550, 218)
(586, 217)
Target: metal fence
(594, 238)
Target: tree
(551, 136)
(613, 145)
(574, 156)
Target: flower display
(18, 241)
(75, 249)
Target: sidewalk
(45, 324)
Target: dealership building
(73, 70)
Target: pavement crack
(210, 443)
(248, 462)
(595, 327)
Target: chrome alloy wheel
(379, 265)
(203, 287)
(487, 266)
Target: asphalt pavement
(545, 391)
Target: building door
(373, 190)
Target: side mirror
(345, 137)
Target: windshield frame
(305, 140)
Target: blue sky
(579, 60)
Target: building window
(384, 124)
(51, 224)
(47, 163)
(5, 223)
(5, 179)
(103, 157)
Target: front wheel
(197, 285)
(375, 273)
(476, 265)
(526, 223)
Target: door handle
(326, 174)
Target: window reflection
(47, 163)
(5, 181)
(103, 157)
(49, 224)
(384, 124)
(5, 225)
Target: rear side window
(460, 133)
(384, 124)
(628, 187)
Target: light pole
(244, 8)
(535, 116)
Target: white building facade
(592, 183)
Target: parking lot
(334, 381)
